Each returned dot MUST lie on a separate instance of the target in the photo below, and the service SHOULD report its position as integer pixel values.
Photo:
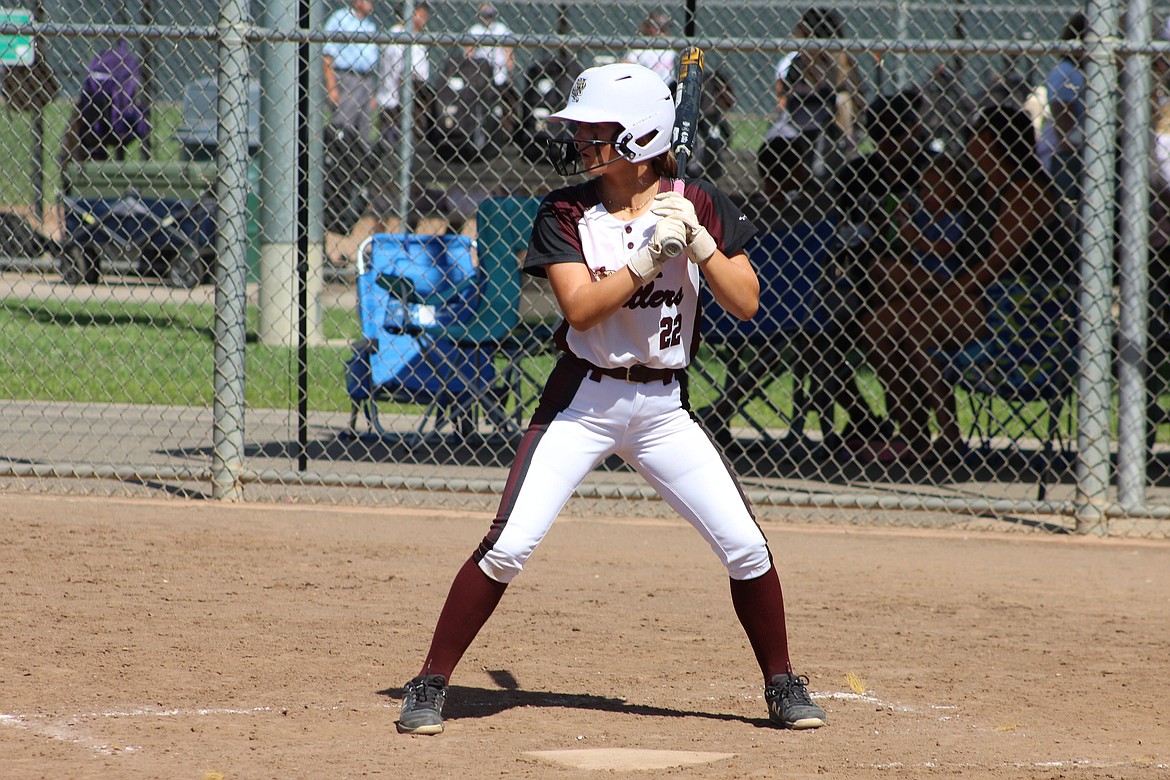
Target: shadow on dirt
(795, 458)
(467, 702)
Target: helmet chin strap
(600, 165)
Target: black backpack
(546, 91)
(468, 112)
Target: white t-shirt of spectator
(393, 56)
(783, 126)
(661, 61)
(496, 55)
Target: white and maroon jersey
(659, 325)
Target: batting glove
(649, 259)
(699, 243)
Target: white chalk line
(68, 729)
(866, 698)
(1072, 763)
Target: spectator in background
(1161, 110)
(1010, 241)
(501, 60)
(351, 69)
(788, 191)
(947, 106)
(785, 208)
(817, 90)
(1160, 150)
(1159, 345)
(871, 187)
(390, 84)
(936, 237)
(662, 60)
(109, 114)
(500, 57)
(866, 196)
(1062, 139)
(933, 225)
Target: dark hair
(956, 171)
(823, 23)
(665, 164)
(1075, 28)
(654, 23)
(1012, 134)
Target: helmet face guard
(565, 154)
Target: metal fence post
(312, 124)
(1134, 208)
(406, 124)
(231, 270)
(278, 252)
(1097, 221)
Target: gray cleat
(422, 705)
(790, 706)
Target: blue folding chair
(410, 290)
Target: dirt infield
(172, 639)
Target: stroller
(349, 165)
(153, 236)
(153, 219)
(548, 83)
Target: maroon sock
(759, 604)
(471, 601)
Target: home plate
(627, 759)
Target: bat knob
(672, 247)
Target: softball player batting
(631, 320)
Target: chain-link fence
(233, 264)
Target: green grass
(153, 354)
(747, 130)
(162, 354)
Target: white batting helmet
(632, 96)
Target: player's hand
(673, 204)
(699, 243)
(648, 260)
(666, 231)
